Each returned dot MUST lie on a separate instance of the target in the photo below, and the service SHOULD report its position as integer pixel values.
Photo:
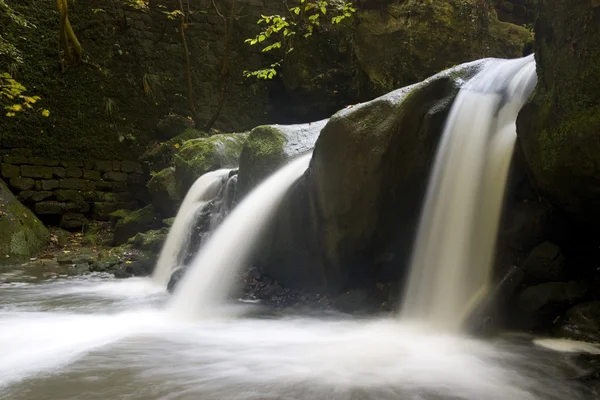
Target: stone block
(22, 183)
(74, 172)
(16, 159)
(116, 166)
(103, 166)
(51, 162)
(49, 208)
(10, 171)
(36, 171)
(93, 196)
(115, 176)
(41, 196)
(117, 197)
(25, 196)
(38, 185)
(59, 172)
(131, 166)
(73, 221)
(36, 161)
(111, 186)
(71, 163)
(80, 207)
(92, 175)
(69, 195)
(89, 164)
(76, 184)
(50, 184)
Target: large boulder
(538, 306)
(352, 217)
(22, 235)
(163, 191)
(405, 42)
(559, 129)
(545, 263)
(199, 156)
(271, 146)
(135, 222)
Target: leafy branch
(279, 32)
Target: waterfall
(203, 190)
(453, 256)
(212, 272)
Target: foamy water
(116, 341)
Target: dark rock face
(539, 305)
(545, 263)
(559, 129)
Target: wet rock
(581, 322)
(150, 241)
(22, 235)
(545, 263)
(539, 305)
(270, 291)
(175, 278)
(172, 125)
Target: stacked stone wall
(519, 12)
(69, 193)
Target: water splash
(453, 256)
(203, 190)
(211, 274)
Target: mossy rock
(163, 191)
(160, 156)
(149, 241)
(559, 129)
(134, 222)
(22, 234)
(414, 39)
(199, 156)
(269, 147)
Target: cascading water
(203, 190)
(212, 272)
(453, 255)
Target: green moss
(199, 156)
(151, 241)
(22, 235)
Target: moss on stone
(163, 191)
(134, 222)
(149, 241)
(416, 39)
(559, 129)
(199, 156)
(22, 235)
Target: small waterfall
(203, 190)
(453, 257)
(212, 272)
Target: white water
(98, 338)
(212, 272)
(453, 255)
(202, 191)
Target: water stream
(203, 190)
(453, 256)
